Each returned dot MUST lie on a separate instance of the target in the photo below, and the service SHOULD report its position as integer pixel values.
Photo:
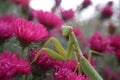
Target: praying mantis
(64, 55)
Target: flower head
(11, 64)
(115, 41)
(100, 43)
(24, 3)
(49, 19)
(66, 74)
(5, 30)
(106, 12)
(71, 65)
(86, 3)
(27, 31)
(67, 14)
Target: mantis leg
(51, 53)
(92, 52)
(57, 45)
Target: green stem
(22, 51)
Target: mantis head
(66, 30)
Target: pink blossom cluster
(11, 64)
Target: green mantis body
(73, 45)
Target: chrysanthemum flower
(11, 64)
(24, 3)
(67, 14)
(100, 43)
(27, 31)
(49, 19)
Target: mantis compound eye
(66, 30)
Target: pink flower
(115, 41)
(100, 43)
(28, 32)
(71, 65)
(66, 74)
(49, 19)
(67, 14)
(5, 30)
(44, 60)
(6, 26)
(106, 12)
(11, 64)
(86, 3)
(24, 3)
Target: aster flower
(66, 74)
(86, 3)
(11, 64)
(106, 12)
(6, 26)
(71, 65)
(24, 3)
(44, 60)
(115, 41)
(49, 19)
(100, 43)
(5, 30)
(27, 31)
(67, 14)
